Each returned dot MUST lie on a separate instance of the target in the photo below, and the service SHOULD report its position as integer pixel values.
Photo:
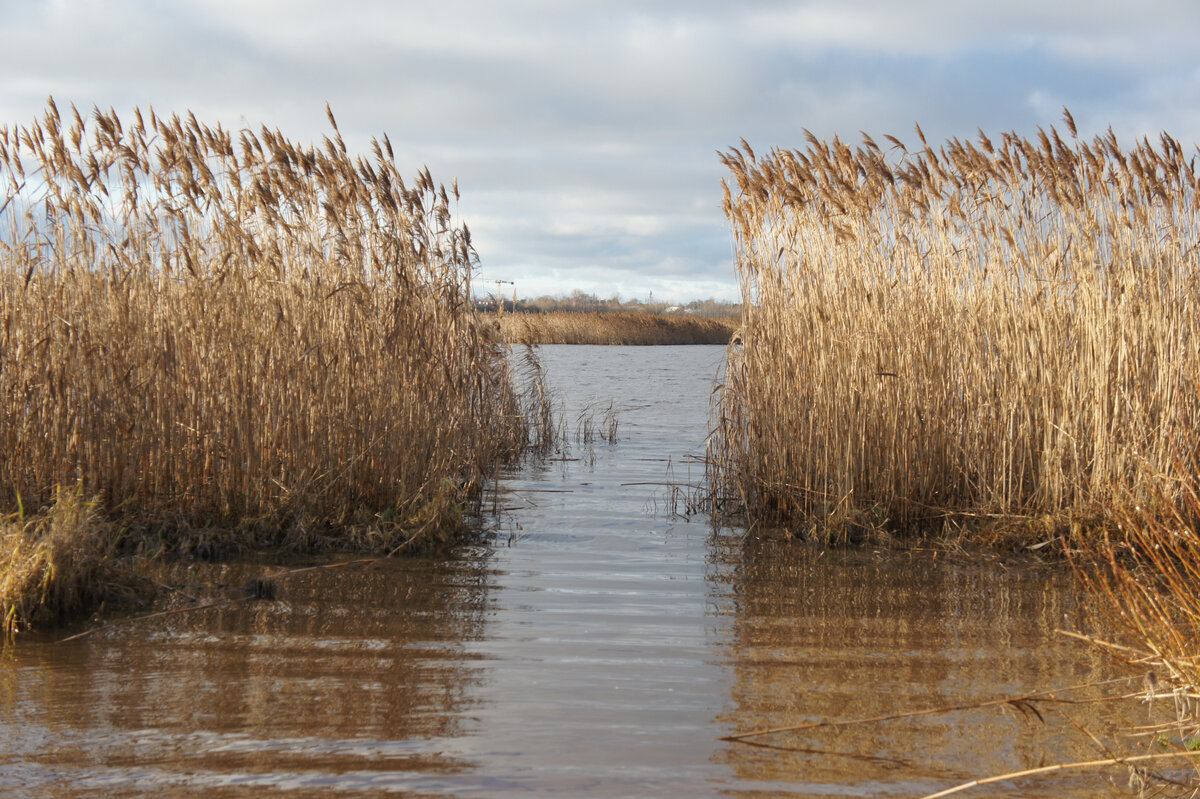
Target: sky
(584, 136)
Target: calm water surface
(594, 644)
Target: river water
(595, 642)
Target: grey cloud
(583, 134)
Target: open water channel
(593, 644)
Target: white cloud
(1082, 28)
(583, 134)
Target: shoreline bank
(617, 327)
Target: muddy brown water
(593, 643)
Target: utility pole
(500, 299)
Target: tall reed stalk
(203, 329)
(988, 332)
(1147, 583)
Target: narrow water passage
(602, 673)
(594, 644)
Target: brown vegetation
(1146, 578)
(613, 328)
(994, 338)
(999, 336)
(223, 340)
(578, 301)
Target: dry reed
(615, 327)
(993, 335)
(1145, 580)
(228, 339)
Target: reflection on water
(857, 634)
(351, 675)
(592, 645)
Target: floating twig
(1106, 644)
(1015, 701)
(1109, 761)
(132, 619)
(892, 761)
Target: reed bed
(220, 339)
(1145, 583)
(616, 327)
(998, 337)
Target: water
(594, 644)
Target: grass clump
(1144, 582)
(228, 339)
(58, 563)
(994, 336)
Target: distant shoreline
(613, 327)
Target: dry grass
(1145, 583)
(613, 328)
(994, 336)
(59, 563)
(1146, 578)
(228, 337)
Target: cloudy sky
(584, 134)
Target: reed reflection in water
(351, 681)
(845, 634)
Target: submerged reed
(1143, 579)
(997, 334)
(1146, 579)
(234, 338)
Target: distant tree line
(581, 302)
